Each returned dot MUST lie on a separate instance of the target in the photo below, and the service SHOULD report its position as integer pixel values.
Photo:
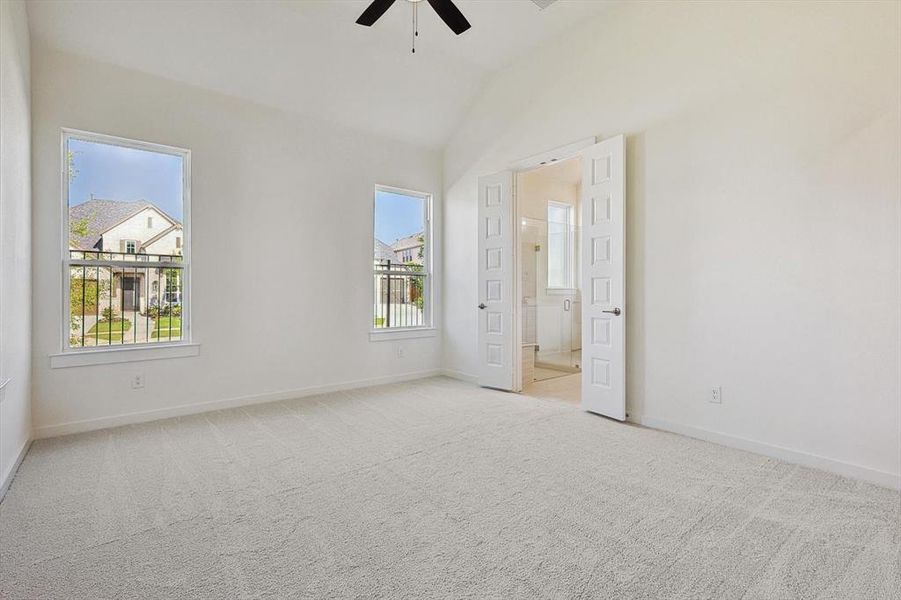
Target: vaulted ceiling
(309, 57)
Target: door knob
(482, 306)
(615, 311)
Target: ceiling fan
(446, 9)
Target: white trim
(460, 376)
(384, 335)
(122, 354)
(799, 457)
(65, 135)
(10, 475)
(47, 431)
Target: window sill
(402, 334)
(107, 356)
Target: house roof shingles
(383, 251)
(411, 241)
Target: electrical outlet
(400, 352)
(137, 381)
(716, 395)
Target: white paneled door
(497, 271)
(603, 278)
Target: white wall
(282, 245)
(763, 184)
(534, 189)
(15, 236)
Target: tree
(416, 282)
(84, 298)
(81, 227)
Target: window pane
(125, 213)
(558, 214)
(110, 306)
(124, 199)
(399, 260)
(559, 246)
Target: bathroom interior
(549, 206)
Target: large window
(560, 246)
(126, 242)
(402, 260)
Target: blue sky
(116, 173)
(397, 216)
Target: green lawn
(166, 327)
(103, 338)
(116, 325)
(109, 331)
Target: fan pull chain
(415, 24)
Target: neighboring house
(139, 228)
(409, 249)
(383, 252)
(405, 288)
(129, 227)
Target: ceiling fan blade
(451, 15)
(374, 11)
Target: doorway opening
(573, 242)
(549, 207)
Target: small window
(178, 242)
(125, 285)
(560, 245)
(402, 263)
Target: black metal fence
(399, 295)
(118, 298)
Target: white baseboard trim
(9, 475)
(459, 375)
(805, 459)
(47, 431)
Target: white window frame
(70, 356)
(134, 244)
(569, 258)
(428, 327)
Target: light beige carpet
(432, 489)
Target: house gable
(109, 223)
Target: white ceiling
(309, 57)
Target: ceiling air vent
(542, 4)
